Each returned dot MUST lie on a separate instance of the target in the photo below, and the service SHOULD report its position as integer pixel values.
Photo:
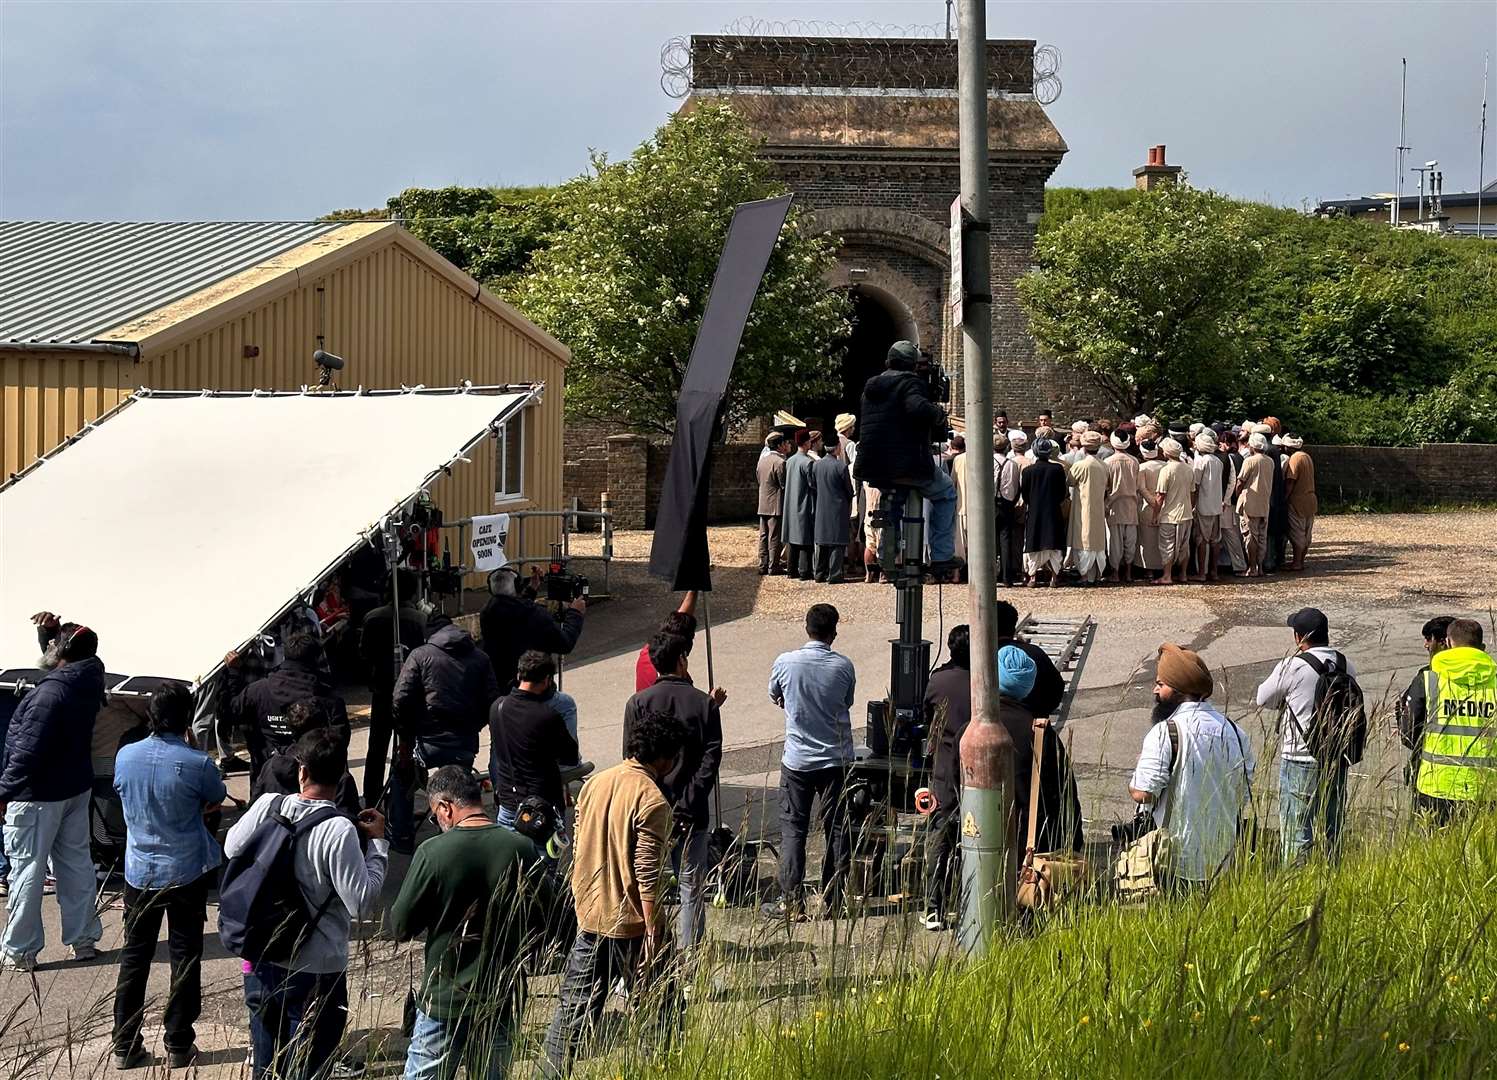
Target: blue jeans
(593, 965)
(1308, 797)
(296, 1020)
(694, 855)
(438, 1047)
(37, 833)
(940, 498)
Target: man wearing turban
(1122, 507)
(1194, 770)
(1089, 509)
(1299, 484)
(1173, 502)
(1254, 490)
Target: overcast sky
(287, 110)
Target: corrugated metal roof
(70, 281)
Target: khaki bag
(1051, 876)
(1142, 867)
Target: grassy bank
(1381, 966)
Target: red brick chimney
(1156, 172)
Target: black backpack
(1337, 726)
(262, 912)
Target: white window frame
(501, 451)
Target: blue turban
(1016, 672)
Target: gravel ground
(1376, 560)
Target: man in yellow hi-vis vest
(1458, 758)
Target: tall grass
(1382, 965)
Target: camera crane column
(897, 727)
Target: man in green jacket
(1458, 755)
(479, 893)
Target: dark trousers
(186, 910)
(943, 858)
(381, 731)
(829, 560)
(296, 1020)
(593, 965)
(800, 560)
(1010, 543)
(771, 548)
(798, 790)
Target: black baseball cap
(1309, 623)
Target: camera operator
(261, 707)
(900, 421)
(512, 624)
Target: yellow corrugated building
(89, 311)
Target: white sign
(489, 535)
(957, 287)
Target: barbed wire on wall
(796, 73)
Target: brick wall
(1412, 473)
(720, 61)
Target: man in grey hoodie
(298, 1011)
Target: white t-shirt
(1291, 688)
(1214, 772)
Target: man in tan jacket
(623, 833)
(1254, 487)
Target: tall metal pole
(1481, 150)
(1400, 149)
(989, 866)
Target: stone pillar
(628, 480)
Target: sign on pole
(958, 223)
(487, 545)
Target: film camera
(563, 587)
(937, 382)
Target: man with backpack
(296, 878)
(1325, 730)
(442, 701)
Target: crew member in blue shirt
(814, 685)
(170, 860)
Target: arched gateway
(864, 132)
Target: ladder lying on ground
(1067, 642)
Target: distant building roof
(1370, 203)
(68, 282)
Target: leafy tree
(1364, 328)
(1146, 298)
(625, 281)
(1064, 203)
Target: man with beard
(1194, 770)
(1043, 487)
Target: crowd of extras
(503, 887)
(1099, 501)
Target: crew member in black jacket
(529, 742)
(511, 625)
(1049, 687)
(948, 704)
(260, 708)
(689, 785)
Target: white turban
(1141, 419)
(1078, 428)
(1149, 453)
(1294, 442)
(1195, 429)
(1276, 441)
(1258, 442)
(1017, 437)
(1206, 442)
(1120, 440)
(1170, 448)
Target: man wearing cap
(1122, 507)
(1043, 487)
(899, 421)
(1299, 493)
(771, 476)
(1311, 797)
(1089, 509)
(1174, 490)
(1209, 495)
(1254, 490)
(1195, 769)
(45, 788)
(798, 524)
(833, 514)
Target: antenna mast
(1481, 156)
(1400, 149)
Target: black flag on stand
(679, 551)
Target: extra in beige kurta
(1089, 506)
(1148, 523)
